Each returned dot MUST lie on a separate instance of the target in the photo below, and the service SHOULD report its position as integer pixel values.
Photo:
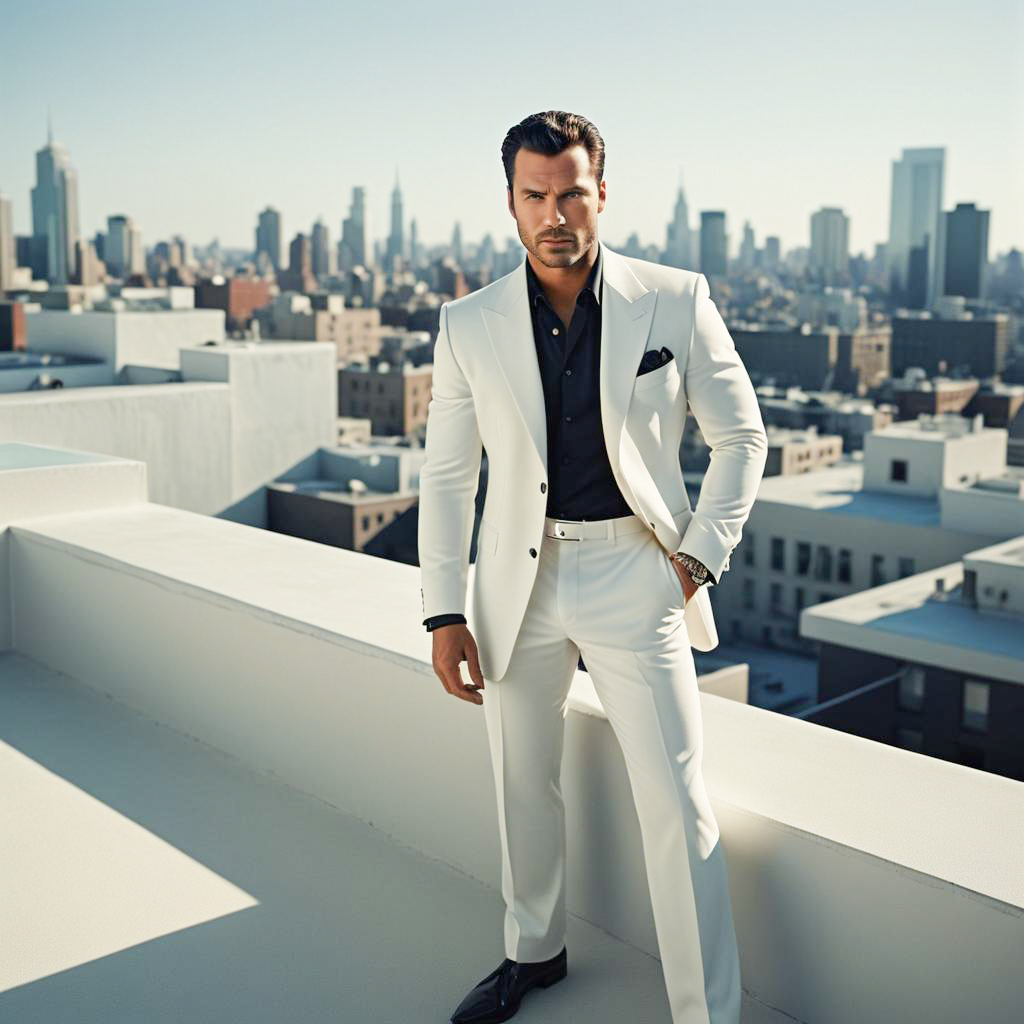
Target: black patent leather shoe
(498, 996)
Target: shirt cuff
(443, 620)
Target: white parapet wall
(869, 883)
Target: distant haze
(191, 117)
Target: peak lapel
(627, 312)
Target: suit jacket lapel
(627, 311)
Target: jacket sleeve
(449, 478)
(724, 404)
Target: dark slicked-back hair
(551, 132)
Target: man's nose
(553, 215)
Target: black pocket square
(653, 359)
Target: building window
(748, 595)
(877, 570)
(910, 696)
(844, 573)
(975, 705)
(906, 567)
(898, 470)
(798, 600)
(910, 739)
(803, 558)
(778, 554)
(823, 563)
(970, 591)
(775, 598)
(366, 522)
(748, 548)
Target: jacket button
(533, 552)
(543, 488)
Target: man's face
(555, 201)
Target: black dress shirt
(581, 484)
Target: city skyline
(204, 171)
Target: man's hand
(689, 587)
(453, 644)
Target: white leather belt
(592, 529)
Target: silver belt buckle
(560, 532)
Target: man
(574, 372)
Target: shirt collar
(593, 284)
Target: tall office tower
(299, 276)
(352, 251)
(90, 269)
(457, 243)
(414, 243)
(915, 205)
(747, 247)
(55, 213)
(485, 251)
(7, 258)
(117, 246)
(268, 237)
(396, 240)
(714, 257)
(322, 255)
(184, 250)
(772, 253)
(963, 251)
(678, 237)
(829, 258)
(136, 255)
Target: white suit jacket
(487, 392)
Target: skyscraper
(299, 275)
(268, 237)
(713, 242)
(679, 239)
(396, 239)
(55, 213)
(352, 251)
(963, 251)
(117, 246)
(457, 243)
(748, 247)
(7, 258)
(915, 205)
(829, 258)
(322, 256)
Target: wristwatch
(697, 570)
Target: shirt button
(568, 419)
(568, 373)
(554, 330)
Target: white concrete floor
(158, 879)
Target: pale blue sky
(190, 117)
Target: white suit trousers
(617, 600)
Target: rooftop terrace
(233, 790)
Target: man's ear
(511, 205)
